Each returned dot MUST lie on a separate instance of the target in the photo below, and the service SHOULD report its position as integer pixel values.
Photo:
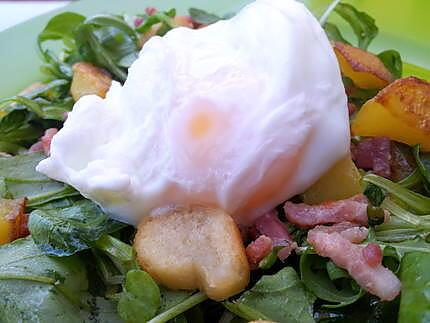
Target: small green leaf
(423, 163)
(362, 24)
(165, 18)
(280, 298)
(66, 231)
(333, 33)
(393, 62)
(315, 276)
(415, 298)
(375, 195)
(140, 299)
(203, 17)
(417, 202)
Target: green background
(404, 25)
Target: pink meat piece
(258, 249)
(36, 148)
(348, 230)
(352, 210)
(373, 154)
(46, 140)
(372, 277)
(44, 143)
(269, 225)
(150, 11)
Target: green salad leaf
(203, 17)
(165, 18)
(415, 298)
(393, 62)
(361, 23)
(415, 201)
(36, 288)
(140, 298)
(66, 231)
(333, 33)
(109, 42)
(327, 281)
(423, 163)
(281, 298)
(18, 178)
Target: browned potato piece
(13, 220)
(365, 69)
(89, 79)
(340, 182)
(194, 247)
(401, 112)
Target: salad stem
(328, 11)
(180, 308)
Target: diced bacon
(269, 224)
(150, 11)
(348, 230)
(372, 253)
(46, 140)
(402, 161)
(258, 249)
(375, 279)
(138, 21)
(351, 108)
(373, 154)
(44, 143)
(36, 148)
(352, 210)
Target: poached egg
(240, 115)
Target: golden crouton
(193, 248)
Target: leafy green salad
(62, 259)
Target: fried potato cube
(401, 112)
(13, 220)
(89, 79)
(340, 182)
(194, 248)
(365, 69)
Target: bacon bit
(402, 161)
(373, 154)
(46, 140)
(372, 253)
(36, 148)
(375, 279)
(269, 225)
(138, 21)
(352, 108)
(150, 11)
(258, 249)
(44, 143)
(13, 212)
(352, 210)
(348, 230)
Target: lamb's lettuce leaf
(203, 17)
(327, 281)
(66, 231)
(140, 298)
(362, 24)
(392, 61)
(19, 178)
(280, 298)
(37, 288)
